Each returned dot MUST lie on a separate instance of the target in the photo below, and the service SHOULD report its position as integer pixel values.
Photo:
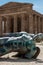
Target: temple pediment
(15, 5)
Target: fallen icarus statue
(22, 43)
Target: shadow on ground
(21, 60)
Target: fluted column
(15, 23)
(4, 26)
(0, 26)
(7, 24)
(30, 24)
(39, 24)
(35, 24)
(42, 25)
(22, 22)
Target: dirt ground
(5, 60)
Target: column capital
(7, 17)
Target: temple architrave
(16, 17)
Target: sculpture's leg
(19, 55)
(37, 53)
(32, 54)
(22, 55)
(4, 51)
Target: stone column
(15, 23)
(42, 25)
(30, 23)
(35, 24)
(39, 24)
(7, 25)
(4, 26)
(23, 22)
(0, 26)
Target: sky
(37, 4)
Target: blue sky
(38, 4)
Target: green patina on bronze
(22, 43)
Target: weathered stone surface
(29, 20)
